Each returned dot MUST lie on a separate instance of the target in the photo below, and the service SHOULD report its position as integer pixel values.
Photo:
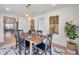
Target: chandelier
(29, 12)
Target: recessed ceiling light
(53, 4)
(26, 15)
(7, 9)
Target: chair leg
(16, 45)
(50, 50)
(19, 52)
(20, 48)
(25, 49)
(46, 52)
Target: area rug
(13, 51)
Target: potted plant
(70, 31)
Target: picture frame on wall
(54, 24)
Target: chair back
(39, 32)
(20, 36)
(30, 32)
(49, 39)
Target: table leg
(30, 48)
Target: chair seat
(27, 43)
(41, 46)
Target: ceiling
(37, 9)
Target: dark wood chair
(45, 47)
(30, 32)
(27, 46)
(20, 42)
(39, 32)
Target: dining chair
(30, 32)
(20, 42)
(39, 32)
(27, 43)
(46, 47)
(27, 46)
(35, 50)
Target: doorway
(9, 27)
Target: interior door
(9, 27)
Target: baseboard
(59, 46)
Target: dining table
(34, 39)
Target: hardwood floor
(9, 41)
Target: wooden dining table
(34, 39)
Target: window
(40, 23)
(53, 24)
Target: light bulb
(7, 9)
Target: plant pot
(71, 46)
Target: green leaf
(70, 30)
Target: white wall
(77, 22)
(1, 30)
(24, 24)
(65, 15)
